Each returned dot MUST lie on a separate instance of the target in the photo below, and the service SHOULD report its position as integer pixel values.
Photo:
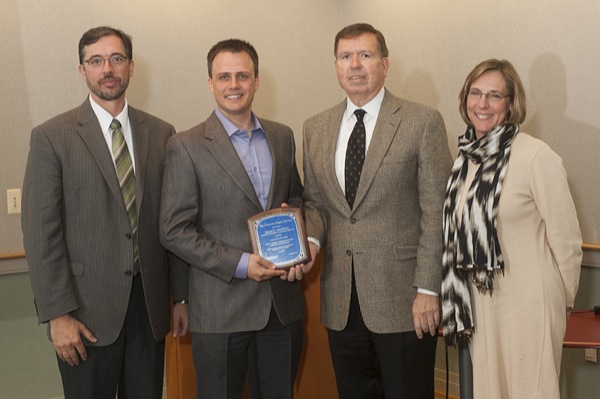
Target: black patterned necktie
(355, 157)
(126, 177)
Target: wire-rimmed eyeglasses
(493, 96)
(115, 59)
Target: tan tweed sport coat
(394, 232)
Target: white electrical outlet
(13, 201)
(591, 355)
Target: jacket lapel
(141, 143)
(224, 152)
(385, 129)
(277, 154)
(91, 133)
(331, 130)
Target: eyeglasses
(492, 96)
(115, 59)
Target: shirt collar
(371, 108)
(105, 118)
(232, 129)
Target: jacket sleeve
(554, 202)
(180, 232)
(434, 165)
(315, 223)
(43, 234)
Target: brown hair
(95, 34)
(232, 46)
(354, 30)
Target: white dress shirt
(105, 119)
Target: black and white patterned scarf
(471, 246)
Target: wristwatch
(183, 302)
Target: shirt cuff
(241, 271)
(316, 242)
(427, 292)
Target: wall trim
(13, 255)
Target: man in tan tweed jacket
(382, 256)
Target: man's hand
(66, 334)
(260, 269)
(296, 272)
(181, 319)
(426, 314)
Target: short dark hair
(232, 46)
(516, 92)
(354, 30)
(95, 34)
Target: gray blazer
(76, 231)
(394, 232)
(207, 197)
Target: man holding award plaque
(375, 170)
(230, 168)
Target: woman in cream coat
(512, 244)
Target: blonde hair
(516, 94)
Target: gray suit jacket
(394, 232)
(207, 197)
(77, 234)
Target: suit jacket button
(128, 236)
(348, 252)
(352, 220)
(128, 273)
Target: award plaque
(278, 236)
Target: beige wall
(553, 44)
(39, 62)
(433, 45)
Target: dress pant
(132, 366)
(370, 365)
(267, 358)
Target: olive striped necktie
(126, 177)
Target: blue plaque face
(278, 236)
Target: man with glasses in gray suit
(91, 198)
